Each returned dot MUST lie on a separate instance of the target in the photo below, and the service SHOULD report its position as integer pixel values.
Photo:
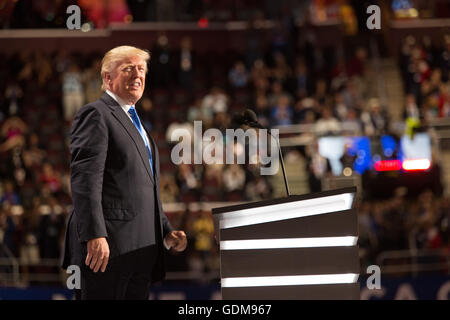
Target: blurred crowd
(352, 13)
(286, 83)
(52, 14)
(402, 223)
(425, 69)
(99, 13)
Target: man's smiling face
(128, 79)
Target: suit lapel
(154, 154)
(134, 134)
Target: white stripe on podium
(288, 243)
(283, 211)
(289, 280)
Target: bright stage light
(416, 165)
(388, 165)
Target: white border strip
(288, 243)
(289, 280)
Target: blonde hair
(116, 55)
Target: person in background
(238, 75)
(73, 92)
(282, 113)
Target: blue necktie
(137, 124)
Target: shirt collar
(120, 101)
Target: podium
(298, 247)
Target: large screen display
(386, 153)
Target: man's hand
(98, 254)
(176, 240)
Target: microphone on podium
(249, 118)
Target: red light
(416, 165)
(203, 22)
(388, 165)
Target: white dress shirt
(125, 107)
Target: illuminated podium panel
(298, 247)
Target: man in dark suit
(117, 230)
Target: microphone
(249, 118)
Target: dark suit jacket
(114, 193)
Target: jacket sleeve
(166, 225)
(88, 148)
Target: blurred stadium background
(353, 106)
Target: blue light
(389, 145)
(360, 146)
(401, 5)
